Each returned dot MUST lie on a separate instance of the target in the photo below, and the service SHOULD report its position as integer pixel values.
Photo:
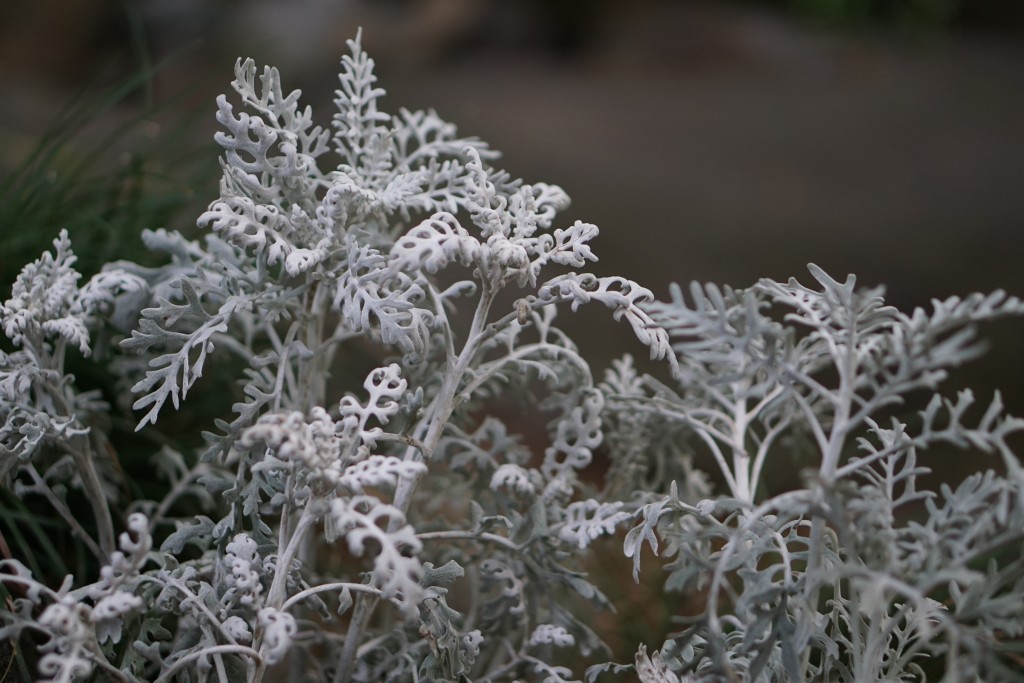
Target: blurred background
(711, 140)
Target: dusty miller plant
(399, 531)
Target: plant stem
(275, 598)
(169, 672)
(43, 488)
(441, 410)
(97, 500)
(81, 449)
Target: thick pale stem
(84, 460)
(365, 605)
(846, 365)
(188, 659)
(740, 457)
(276, 597)
(444, 404)
(314, 379)
(441, 410)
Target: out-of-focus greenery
(104, 186)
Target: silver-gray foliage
(396, 531)
(843, 579)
